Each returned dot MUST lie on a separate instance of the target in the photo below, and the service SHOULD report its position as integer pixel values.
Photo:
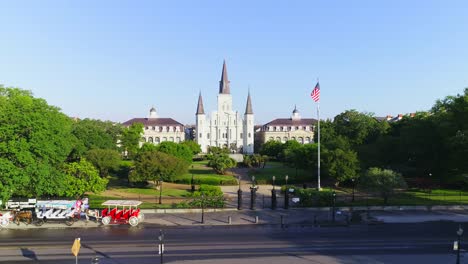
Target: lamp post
(193, 186)
(203, 208)
(354, 184)
(333, 211)
(161, 244)
(253, 194)
(239, 195)
(430, 176)
(286, 179)
(273, 195)
(457, 248)
(160, 190)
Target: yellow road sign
(76, 247)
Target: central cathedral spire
(224, 83)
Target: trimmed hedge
(207, 180)
(312, 197)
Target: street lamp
(239, 195)
(457, 245)
(160, 190)
(161, 244)
(333, 211)
(273, 195)
(286, 179)
(193, 186)
(354, 184)
(253, 194)
(203, 208)
(95, 260)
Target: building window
(171, 139)
(307, 140)
(241, 135)
(143, 139)
(285, 139)
(156, 140)
(250, 135)
(215, 122)
(270, 139)
(200, 136)
(150, 139)
(178, 139)
(208, 135)
(301, 140)
(164, 139)
(278, 139)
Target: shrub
(210, 196)
(312, 197)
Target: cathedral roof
(248, 107)
(291, 122)
(200, 109)
(153, 122)
(224, 83)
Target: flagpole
(318, 137)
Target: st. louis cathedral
(225, 127)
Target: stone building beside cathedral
(284, 129)
(225, 127)
(157, 130)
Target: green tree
(155, 165)
(219, 160)
(131, 138)
(104, 160)
(192, 145)
(95, 134)
(340, 162)
(82, 177)
(359, 127)
(35, 139)
(180, 151)
(272, 149)
(381, 181)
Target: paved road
(389, 243)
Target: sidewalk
(312, 217)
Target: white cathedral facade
(225, 127)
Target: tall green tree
(131, 138)
(154, 165)
(381, 181)
(219, 160)
(82, 177)
(181, 151)
(95, 134)
(104, 160)
(35, 139)
(192, 145)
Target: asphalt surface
(385, 243)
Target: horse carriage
(121, 212)
(20, 211)
(64, 210)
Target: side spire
(248, 107)
(200, 109)
(224, 83)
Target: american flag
(316, 93)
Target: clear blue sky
(113, 60)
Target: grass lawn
(153, 192)
(278, 169)
(411, 197)
(95, 202)
(202, 174)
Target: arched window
(171, 139)
(301, 140)
(271, 139)
(150, 139)
(143, 139)
(285, 139)
(293, 138)
(156, 140)
(278, 139)
(164, 139)
(307, 140)
(178, 139)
